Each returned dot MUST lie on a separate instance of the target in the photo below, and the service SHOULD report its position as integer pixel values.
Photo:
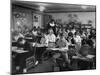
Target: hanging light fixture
(84, 7)
(42, 8)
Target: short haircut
(20, 39)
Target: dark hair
(52, 20)
(70, 34)
(61, 34)
(20, 39)
(90, 36)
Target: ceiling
(54, 7)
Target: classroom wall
(28, 19)
(83, 17)
(24, 20)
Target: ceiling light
(42, 8)
(84, 7)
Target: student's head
(43, 35)
(15, 33)
(76, 33)
(50, 31)
(52, 21)
(64, 30)
(90, 37)
(34, 28)
(61, 35)
(21, 40)
(84, 50)
(70, 34)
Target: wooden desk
(19, 51)
(83, 63)
(14, 49)
(87, 58)
(59, 49)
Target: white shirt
(52, 24)
(34, 33)
(73, 31)
(78, 39)
(51, 38)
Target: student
(65, 33)
(51, 38)
(43, 40)
(18, 35)
(78, 40)
(90, 41)
(73, 30)
(61, 42)
(23, 44)
(34, 31)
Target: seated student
(17, 35)
(28, 33)
(34, 31)
(58, 33)
(90, 41)
(84, 41)
(61, 42)
(70, 40)
(65, 33)
(20, 58)
(70, 33)
(43, 40)
(22, 43)
(51, 38)
(78, 40)
(73, 30)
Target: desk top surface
(14, 49)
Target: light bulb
(84, 7)
(42, 8)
